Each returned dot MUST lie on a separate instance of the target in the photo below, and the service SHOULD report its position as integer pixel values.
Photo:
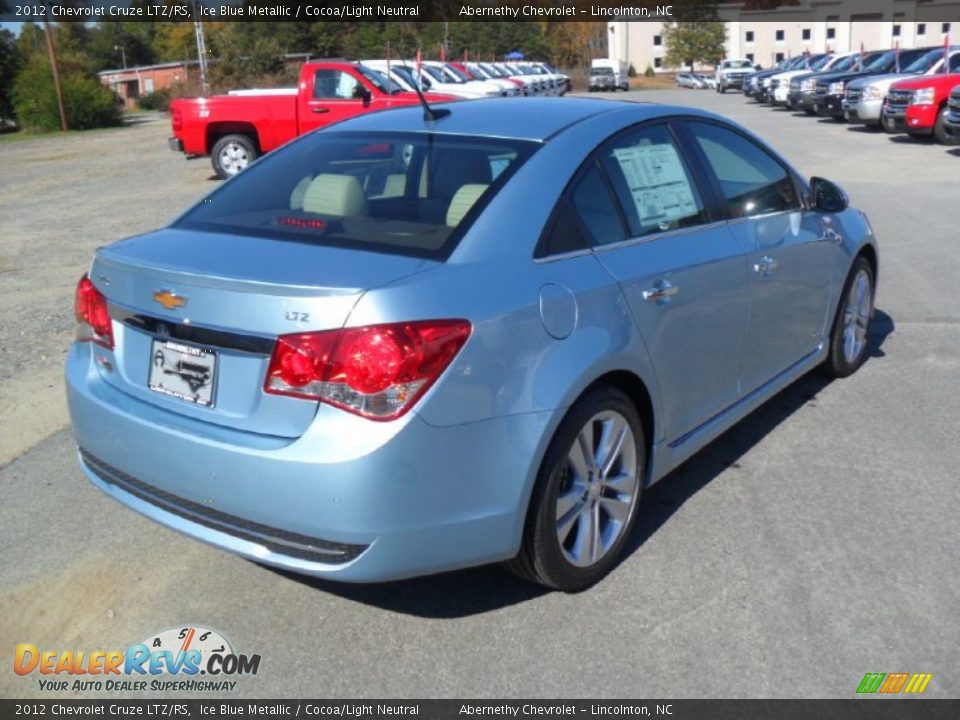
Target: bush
(159, 100)
(632, 71)
(88, 104)
(649, 72)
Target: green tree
(697, 37)
(88, 104)
(10, 63)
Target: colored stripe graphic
(894, 682)
(918, 682)
(871, 682)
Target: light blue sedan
(401, 345)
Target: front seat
(335, 195)
(450, 170)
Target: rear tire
(232, 154)
(851, 326)
(584, 504)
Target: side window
(752, 182)
(564, 235)
(593, 204)
(652, 182)
(955, 63)
(334, 85)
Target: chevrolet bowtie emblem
(169, 300)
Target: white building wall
(633, 42)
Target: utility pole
(56, 74)
(201, 51)
(123, 54)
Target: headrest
(337, 195)
(462, 201)
(455, 168)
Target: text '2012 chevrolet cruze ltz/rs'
(415, 342)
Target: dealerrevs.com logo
(190, 658)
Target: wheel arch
(217, 130)
(630, 384)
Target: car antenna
(429, 114)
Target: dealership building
(766, 37)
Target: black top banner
(459, 10)
(482, 709)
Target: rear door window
(652, 181)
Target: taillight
(176, 120)
(93, 318)
(378, 371)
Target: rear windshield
(401, 193)
(601, 71)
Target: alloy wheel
(597, 489)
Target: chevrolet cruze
(415, 341)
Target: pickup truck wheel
(232, 154)
(940, 131)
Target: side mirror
(826, 196)
(361, 93)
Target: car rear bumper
(175, 144)
(350, 500)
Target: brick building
(131, 83)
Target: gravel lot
(815, 542)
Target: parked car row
(914, 91)
(696, 81)
(473, 80)
(235, 129)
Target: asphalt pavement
(813, 543)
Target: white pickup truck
(731, 73)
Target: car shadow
(463, 593)
(865, 129)
(954, 151)
(904, 139)
(666, 497)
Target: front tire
(940, 131)
(232, 154)
(851, 326)
(584, 504)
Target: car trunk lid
(195, 316)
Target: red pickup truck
(235, 129)
(918, 106)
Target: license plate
(183, 371)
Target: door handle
(661, 291)
(766, 265)
(319, 110)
